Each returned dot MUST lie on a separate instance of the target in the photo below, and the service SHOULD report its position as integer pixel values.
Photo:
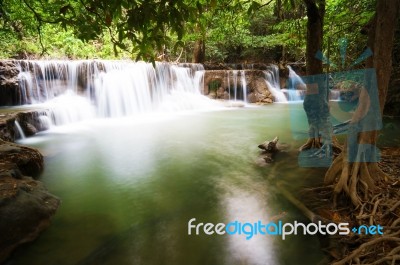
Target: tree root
(356, 253)
(311, 143)
(362, 194)
(382, 207)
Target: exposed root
(334, 170)
(315, 143)
(311, 143)
(379, 204)
(356, 253)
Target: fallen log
(269, 148)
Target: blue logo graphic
(368, 230)
(356, 111)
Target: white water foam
(81, 90)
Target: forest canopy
(229, 30)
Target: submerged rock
(25, 209)
(26, 206)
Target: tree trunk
(316, 104)
(199, 53)
(315, 22)
(358, 178)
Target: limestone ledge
(29, 120)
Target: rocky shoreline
(26, 206)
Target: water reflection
(247, 204)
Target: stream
(129, 187)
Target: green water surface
(129, 187)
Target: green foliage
(214, 85)
(346, 19)
(138, 27)
(233, 30)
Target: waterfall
(80, 90)
(235, 74)
(236, 81)
(272, 80)
(296, 86)
(70, 107)
(244, 84)
(19, 130)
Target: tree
(316, 104)
(356, 179)
(315, 22)
(136, 26)
(223, 20)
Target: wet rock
(28, 160)
(267, 100)
(29, 129)
(220, 93)
(26, 207)
(225, 80)
(31, 122)
(9, 87)
(252, 98)
(212, 95)
(7, 132)
(226, 95)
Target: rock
(29, 129)
(226, 95)
(259, 97)
(259, 85)
(26, 207)
(267, 100)
(28, 160)
(10, 93)
(220, 92)
(7, 132)
(212, 95)
(349, 90)
(252, 98)
(31, 122)
(224, 80)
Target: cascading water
(236, 82)
(244, 85)
(272, 80)
(296, 86)
(19, 130)
(78, 90)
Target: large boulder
(26, 207)
(10, 93)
